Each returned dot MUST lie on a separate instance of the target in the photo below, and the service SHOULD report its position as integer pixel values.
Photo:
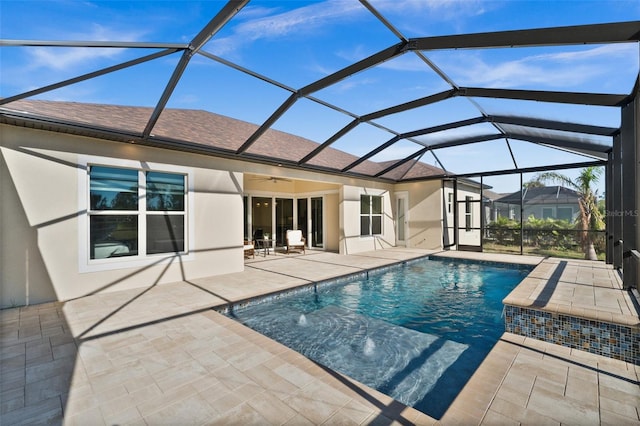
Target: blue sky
(298, 42)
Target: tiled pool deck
(161, 355)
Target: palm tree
(590, 218)
(533, 183)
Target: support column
(615, 212)
(608, 219)
(521, 216)
(630, 141)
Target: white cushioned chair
(295, 240)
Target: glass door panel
(303, 216)
(261, 216)
(316, 222)
(284, 219)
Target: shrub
(504, 231)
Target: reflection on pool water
(416, 333)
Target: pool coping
(231, 306)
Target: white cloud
(350, 84)
(251, 12)
(269, 23)
(67, 58)
(60, 59)
(445, 9)
(609, 51)
(563, 69)
(417, 16)
(299, 20)
(406, 62)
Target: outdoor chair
(295, 240)
(259, 241)
(249, 249)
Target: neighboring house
(555, 202)
(490, 198)
(87, 208)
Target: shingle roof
(410, 170)
(542, 195)
(207, 129)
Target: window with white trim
(135, 213)
(370, 215)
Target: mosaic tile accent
(611, 340)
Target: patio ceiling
(401, 102)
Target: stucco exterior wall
(42, 214)
(424, 214)
(44, 253)
(332, 222)
(23, 275)
(350, 239)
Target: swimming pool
(416, 333)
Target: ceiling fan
(273, 179)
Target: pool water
(416, 333)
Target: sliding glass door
(267, 216)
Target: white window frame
(371, 215)
(85, 264)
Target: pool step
(402, 363)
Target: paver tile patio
(161, 355)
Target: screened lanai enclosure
(378, 95)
